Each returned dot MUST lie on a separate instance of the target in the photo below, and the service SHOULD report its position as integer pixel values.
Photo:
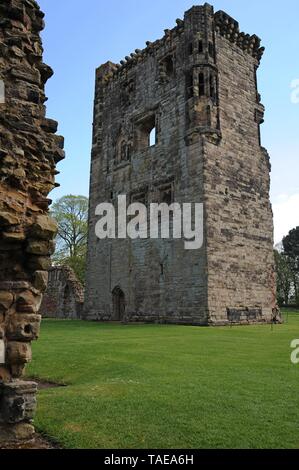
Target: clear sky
(81, 35)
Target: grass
(153, 386)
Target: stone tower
(197, 88)
(29, 151)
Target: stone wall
(197, 87)
(64, 296)
(29, 151)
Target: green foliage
(162, 386)
(291, 244)
(284, 278)
(71, 214)
(291, 251)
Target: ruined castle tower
(197, 88)
(29, 151)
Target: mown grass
(152, 386)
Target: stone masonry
(29, 151)
(64, 296)
(197, 88)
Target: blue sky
(79, 36)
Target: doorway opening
(119, 304)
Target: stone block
(26, 302)
(6, 300)
(18, 401)
(14, 433)
(23, 327)
(41, 280)
(41, 248)
(44, 228)
(39, 263)
(18, 352)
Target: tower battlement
(224, 25)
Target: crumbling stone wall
(64, 296)
(197, 87)
(29, 151)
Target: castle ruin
(64, 296)
(29, 151)
(196, 89)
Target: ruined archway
(119, 304)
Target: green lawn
(152, 386)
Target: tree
(284, 278)
(291, 245)
(291, 250)
(71, 214)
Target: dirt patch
(38, 442)
(44, 384)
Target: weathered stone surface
(23, 327)
(6, 300)
(18, 352)
(16, 433)
(14, 236)
(27, 302)
(38, 263)
(8, 219)
(5, 375)
(18, 401)
(28, 149)
(37, 247)
(44, 227)
(41, 280)
(64, 296)
(197, 87)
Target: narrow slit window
(190, 48)
(211, 49)
(200, 47)
(201, 84)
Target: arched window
(152, 137)
(146, 135)
(119, 304)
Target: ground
(154, 386)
